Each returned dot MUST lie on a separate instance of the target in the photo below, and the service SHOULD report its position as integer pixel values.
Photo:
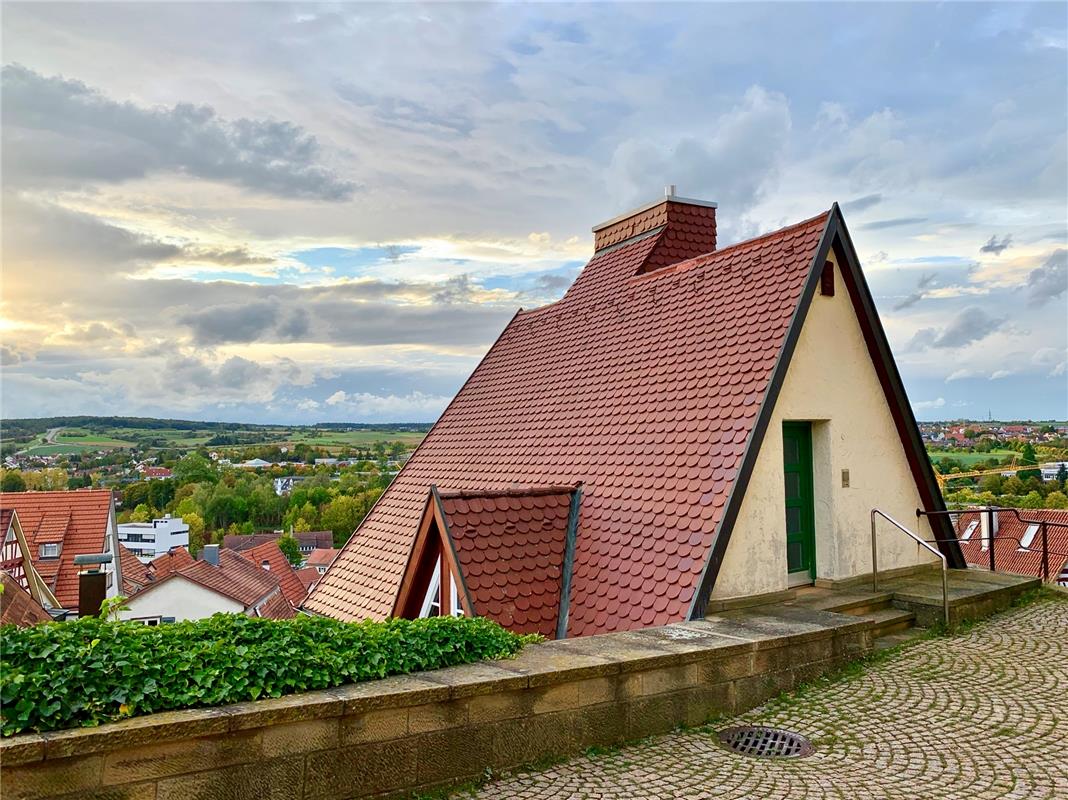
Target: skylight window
(969, 530)
(1028, 537)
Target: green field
(89, 438)
(969, 459)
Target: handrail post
(874, 556)
(1045, 554)
(945, 592)
(990, 539)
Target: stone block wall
(403, 734)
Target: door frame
(802, 431)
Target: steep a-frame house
(686, 424)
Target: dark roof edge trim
(756, 436)
(569, 563)
(446, 534)
(897, 399)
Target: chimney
(210, 553)
(988, 525)
(688, 226)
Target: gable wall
(181, 599)
(832, 382)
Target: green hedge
(81, 673)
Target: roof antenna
(669, 190)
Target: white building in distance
(146, 540)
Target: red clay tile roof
(79, 519)
(276, 607)
(510, 549)
(235, 577)
(1007, 554)
(309, 576)
(644, 388)
(16, 605)
(321, 556)
(281, 569)
(162, 566)
(135, 575)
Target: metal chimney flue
(669, 190)
(210, 554)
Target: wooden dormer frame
(432, 541)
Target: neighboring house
(17, 607)
(222, 582)
(253, 463)
(268, 557)
(283, 486)
(135, 574)
(307, 540)
(146, 540)
(155, 473)
(309, 576)
(686, 425)
(16, 562)
(60, 525)
(321, 558)
(1017, 541)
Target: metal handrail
(991, 513)
(915, 537)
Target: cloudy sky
(298, 213)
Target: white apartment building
(146, 540)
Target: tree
(1032, 500)
(195, 468)
(1056, 500)
(290, 547)
(1027, 456)
(1012, 485)
(12, 481)
(196, 531)
(992, 483)
(141, 514)
(1062, 475)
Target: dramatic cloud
(246, 219)
(996, 246)
(968, 325)
(922, 286)
(66, 132)
(1049, 281)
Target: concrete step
(890, 621)
(855, 603)
(895, 639)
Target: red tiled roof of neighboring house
(309, 576)
(156, 472)
(306, 539)
(321, 557)
(79, 520)
(162, 566)
(277, 607)
(16, 605)
(135, 575)
(235, 577)
(510, 548)
(1008, 557)
(643, 387)
(280, 568)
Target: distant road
(51, 433)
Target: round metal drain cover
(756, 740)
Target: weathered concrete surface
(979, 715)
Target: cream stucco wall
(832, 383)
(181, 599)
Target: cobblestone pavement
(979, 715)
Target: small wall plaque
(845, 479)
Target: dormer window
(50, 550)
(266, 564)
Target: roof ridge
(692, 262)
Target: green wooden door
(800, 519)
